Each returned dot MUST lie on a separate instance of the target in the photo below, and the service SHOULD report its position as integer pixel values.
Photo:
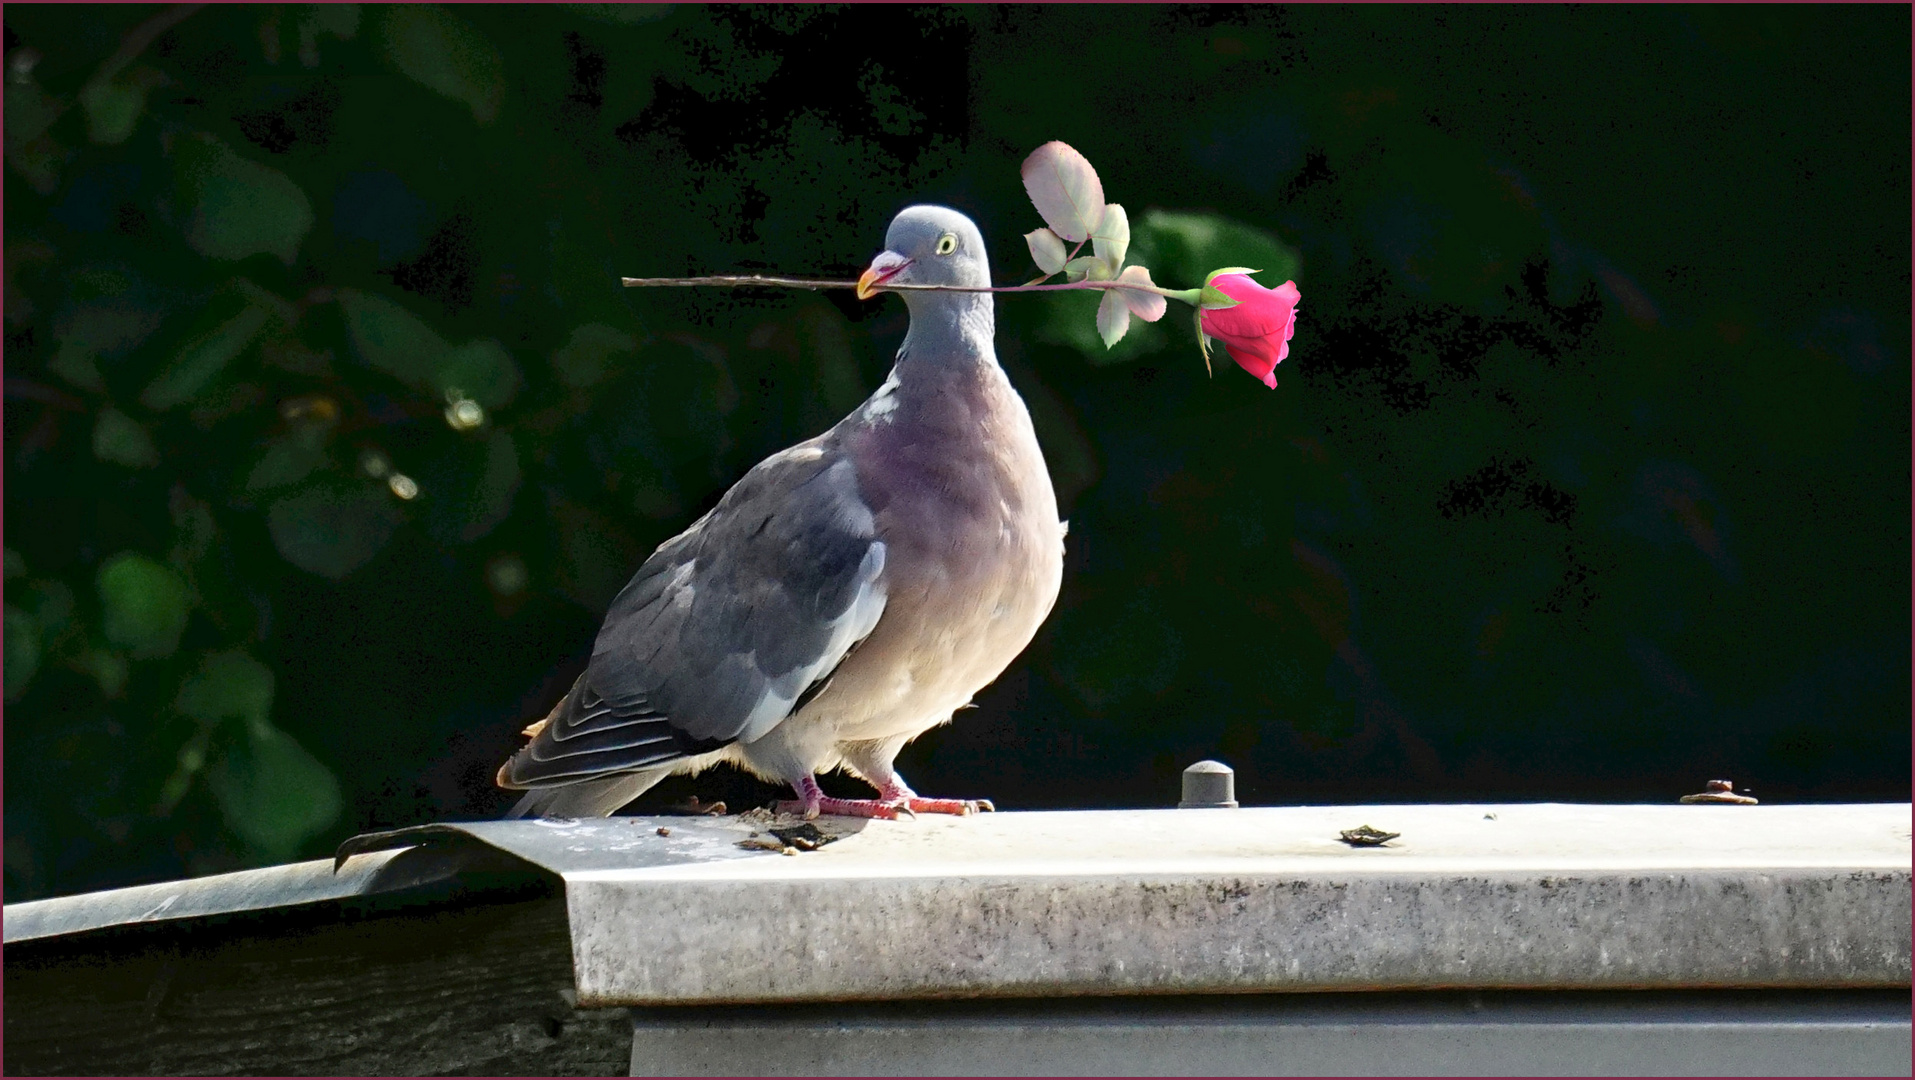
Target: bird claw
(957, 807)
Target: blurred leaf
(39, 162)
(583, 360)
(121, 440)
(474, 486)
(74, 363)
(1187, 247)
(481, 370)
(225, 686)
(1071, 319)
(22, 650)
(1111, 239)
(50, 602)
(338, 20)
(203, 359)
(289, 459)
(238, 208)
(108, 668)
(1047, 250)
(113, 107)
(1113, 318)
(596, 558)
(498, 486)
(114, 323)
(273, 794)
(15, 565)
(1065, 190)
(446, 54)
(29, 112)
(193, 527)
(391, 338)
(145, 604)
(628, 14)
(332, 527)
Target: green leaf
(238, 208)
(481, 370)
(1145, 305)
(1111, 239)
(203, 359)
(498, 486)
(120, 439)
(22, 645)
(144, 603)
(113, 108)
(227, 685)
(111, 325)
(75, 363)
(333, 527)
(585, 358)
(1047, 250)
(1087, 267)
(1065, 190)
(392, 339)
(16, 566)
(272, 793)
(289, 459)
(1113, 318)
(29, 112)
(108, 668)
(446, 54)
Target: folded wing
(725, 630)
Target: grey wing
(724, 629)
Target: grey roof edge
(390, 872)
(381, 864)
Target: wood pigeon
(846, 595)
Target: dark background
(1587, 478)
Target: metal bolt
(1209, 784)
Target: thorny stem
(1188, 296)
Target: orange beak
(886, 266)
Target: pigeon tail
(586, 799)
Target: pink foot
(895, 801)
(896, 793)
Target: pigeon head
(928, 245)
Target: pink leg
(894, 801)
(897, 791)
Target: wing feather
(726, 630)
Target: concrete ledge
(1721, 1033)
(1258, 900)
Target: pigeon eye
(947, 243)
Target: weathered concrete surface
(1674, 1033)
(1209, 901)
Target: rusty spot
(1722, 792)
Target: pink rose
(1257, 328)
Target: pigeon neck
(951, 328)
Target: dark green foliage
(329, 432)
